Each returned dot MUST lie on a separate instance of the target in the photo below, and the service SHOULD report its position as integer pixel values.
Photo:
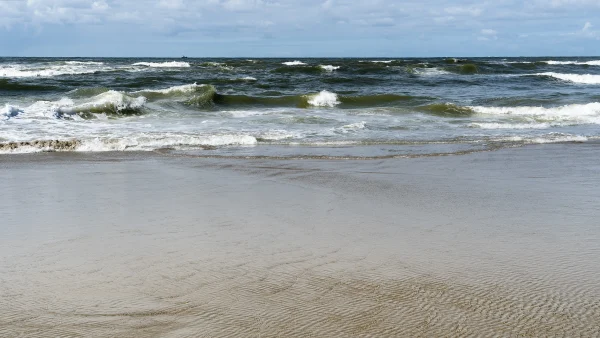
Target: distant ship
(184, 57)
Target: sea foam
(323, 99)
(294, 63)
(586, 63)
(586, 112)
(575, 78)
(171, 64)
(329, 68)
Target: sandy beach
(499, 243)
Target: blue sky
(283, 28)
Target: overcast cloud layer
(286, 28)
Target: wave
(294, 63)
(493, 125)
(579, 63)
(217, 65)
(93, 63)
(86, 102)
(323, 99)
(141, 142)
(446, 110)
(581, 113)
(549, 138)
(329, 68)
(182, 89)
(19, 71)
(109, 103)
(465, 69)
(169, 64)
(7, 85)
(352, 127)
(10, 111)
(575, 78)
(428, 71)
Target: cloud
(588, 31)
(464, 11)
(487, 35)
(414, 26)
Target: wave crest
(169, 64)
(323, 99)
(575, 78)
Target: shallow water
(225, 106)
(500, 243)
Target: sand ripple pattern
(295, 293)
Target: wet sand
(502, 243)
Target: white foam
(93, 63)
(249, 78)
(585, 113)
(587, 63)
(329, 68)
(10, 111)
(110, 100)
(510, 125)
(145, 142)
(323, 99)
(575, 78)
(550, 138)
(352, 127)
(430, 71)
(188, 88)
(18, 71)
(277, 135)
(171, 64)
(294, 63)
(383, 61)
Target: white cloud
(587, 31)
(464, 11)
(241, 5)
(488, 32)
(170, 4)
(100, 6)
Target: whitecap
(329, 68)
(575, 78)
(323, 99)
(10, 111)
(294, 63)
(171, 64)
(188, 88)
(581, 113)
(587, 63)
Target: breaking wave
(294, 63)
(575, 78)
(142, 142)
(580, 63)
(572, 111)
(329, 68)
(169, 64)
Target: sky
(302, 28)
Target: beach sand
(502, 243)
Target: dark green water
(308, 107)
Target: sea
(297, 107)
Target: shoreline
(498, 243)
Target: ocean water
(296, 107)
